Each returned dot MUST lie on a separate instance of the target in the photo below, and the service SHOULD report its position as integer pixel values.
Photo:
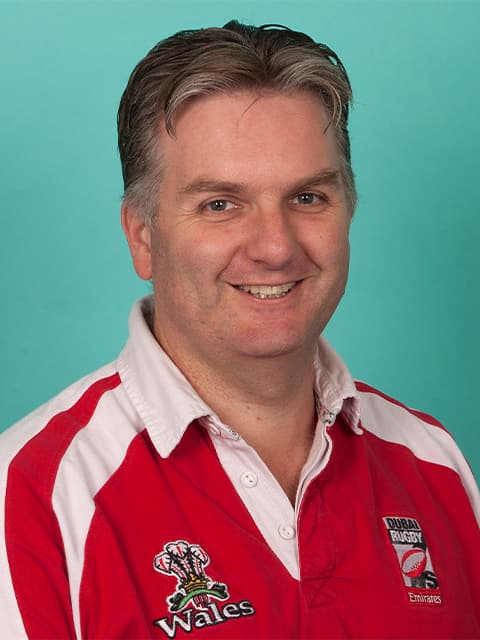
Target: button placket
(262, 496)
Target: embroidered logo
(414, 560)
(187, 563)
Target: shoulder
(70, 409)
(55, 460)
(377, 405)
(83, 419)
(425, 438)
(392, 421)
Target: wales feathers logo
(187, 562)
(193, 605)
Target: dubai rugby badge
(193, 604)
(415, 563)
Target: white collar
(167, 403)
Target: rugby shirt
(131, 511)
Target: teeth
(265, 291)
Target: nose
(271, 238)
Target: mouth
(267, 292)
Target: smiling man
(226, 477)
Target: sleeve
(34, 589)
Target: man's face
(249, 249)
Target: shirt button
(286, 532)
(249, 479)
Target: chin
(272, 346)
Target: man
(225, 477)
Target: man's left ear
(137, 232)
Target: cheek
(341, 262)
(208, 250)
(331, 249)
(190, 260)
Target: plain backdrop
(409, 321)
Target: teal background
(410, 319)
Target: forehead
(251, 134)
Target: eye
(308, 198)
(218, 205)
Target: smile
(264, 292)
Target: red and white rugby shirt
(130, 511)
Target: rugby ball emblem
(414, 562)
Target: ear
(138, 237)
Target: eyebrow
(202, 185)
(326, 177)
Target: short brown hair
(221, 60)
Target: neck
(260, 398)
(268, 401)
